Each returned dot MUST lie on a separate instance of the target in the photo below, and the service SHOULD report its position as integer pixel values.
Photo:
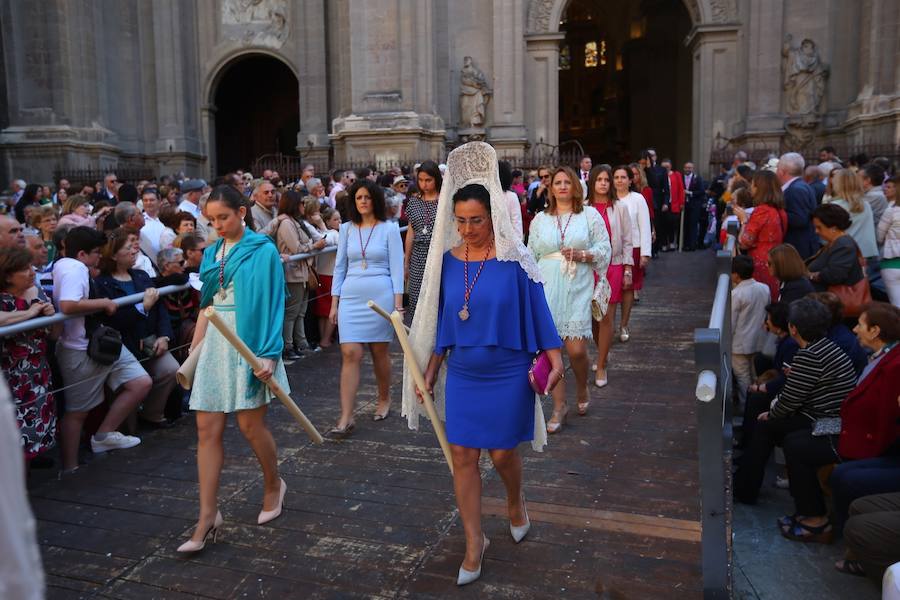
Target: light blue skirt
(223, 376)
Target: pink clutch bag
(539, 374)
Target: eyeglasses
(474, 221)
(14, 230)
(545, 176)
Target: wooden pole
(251, 359)
(401, 330)
(185, 373)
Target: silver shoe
(519, 532)
(624, 336)
(465, 576)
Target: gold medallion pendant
(464, 313)
(365, 265)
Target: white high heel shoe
(191, 546)
(270, 515)
(519, 532)
(465, 576)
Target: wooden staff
(254, 363)
(401, 329)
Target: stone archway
(254, 109)
(713, 44)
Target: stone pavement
(613, 499)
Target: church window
(565, 58)
(590, 54)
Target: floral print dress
(24, 364)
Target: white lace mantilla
(475, 162)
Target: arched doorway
(257, 111)
(625, 78)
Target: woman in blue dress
(368, 266)
(483, 313)
(243, 280)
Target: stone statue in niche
(255, 22)
(474, 95)
(804, 90)
(804, 78)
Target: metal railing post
(712, 356)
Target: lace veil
(475, 162)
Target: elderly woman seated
(182, 307)
(23, 356)
(145, 327)
(820, 378)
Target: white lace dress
(569, 286)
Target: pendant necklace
(562, 230)
(362, 247)
(427, 225)
(222, 261)
(464, 313)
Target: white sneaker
(114, 441)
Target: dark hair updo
(474, 191)
(233, 199)
(832, 215)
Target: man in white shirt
(749, 299)
(191, 190)
(154, 235)
(84, 377)
(343, 180)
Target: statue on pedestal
(474, 95)
(804, 89)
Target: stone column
(714, 49)
(312, 139)
(764, 34)
(542, 98)
(392, 115)
(507, 131)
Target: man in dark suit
(695, 201)
(799, 203)
(658, 182)
(813, 177)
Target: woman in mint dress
(243, 280)
(570, 243)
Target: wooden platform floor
(613, 499)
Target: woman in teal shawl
(243, 280)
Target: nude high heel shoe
(556, 426)
(270, 515)
(519, 532)
(191, 546)
(465, 576)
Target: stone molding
(543, 15)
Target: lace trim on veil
(475, 162)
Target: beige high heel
(191, 546)
(270, 515)
(560, 420)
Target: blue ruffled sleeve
(506, 309)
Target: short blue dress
(381, 278)
(489, 403)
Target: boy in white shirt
(84, 377)
(749, 299)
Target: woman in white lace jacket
(571, 244)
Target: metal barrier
(40, 322)
(712, 356)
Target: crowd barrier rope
(712, 357)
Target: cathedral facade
(205, 86)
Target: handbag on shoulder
(104, 343)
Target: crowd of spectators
(815, 324)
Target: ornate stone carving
(255, 22)
(539, 15)
(474, 95)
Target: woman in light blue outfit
(243, 280)
(570, 242)
(368, 266)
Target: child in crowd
(749, 299)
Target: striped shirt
(820, 378)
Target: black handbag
(104, 343)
